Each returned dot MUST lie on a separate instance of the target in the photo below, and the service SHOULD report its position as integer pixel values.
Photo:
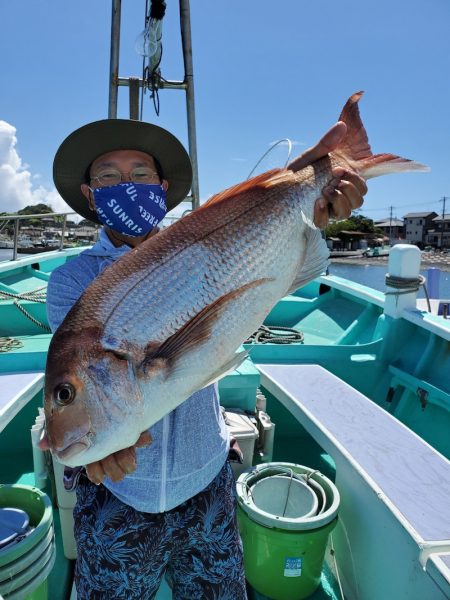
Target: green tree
(354, 223)
(35, 209)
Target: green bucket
(285, 532)
(26, 561)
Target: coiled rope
(406, 285)
(9, 343)
(38, 295)
(275, 335)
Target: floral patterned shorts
(123, 554)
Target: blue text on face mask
(133, 209)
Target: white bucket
(285, 496)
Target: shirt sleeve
(63, 291)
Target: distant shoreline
(426, 262)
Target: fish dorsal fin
(196, 331)
(263, 180)
(355, 148)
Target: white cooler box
(241, 428)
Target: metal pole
(390, 227)
(190, 104)
(63, 233)
(114, 59)
(16, 238)
(443, 220)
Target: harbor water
(369, 275)
(374, 276)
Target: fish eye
(64, 394)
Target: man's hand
(345, 191)
(117, 465)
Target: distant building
(353, 240)
(393, 229)
(417, 225)
(86, 232)
(439, 234)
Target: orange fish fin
(197, 330)
(355, 147)
(263, 180)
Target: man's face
(124, 162)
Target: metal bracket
(134, 98)
(423, 397)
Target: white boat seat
(403, 470)
(16, 390)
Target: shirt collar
(104, 247)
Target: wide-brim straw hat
(87, 143)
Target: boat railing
(17, 218)
(168, 220)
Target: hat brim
(89, 142)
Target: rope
(8, 343)
(38, 295)
(275, 335)
(406, 285)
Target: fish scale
(169, 316)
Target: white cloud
(17, 189)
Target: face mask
(133, 209)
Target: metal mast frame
(187, 84)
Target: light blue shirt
(190, 444)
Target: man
(167, 504)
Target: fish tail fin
(355, 148)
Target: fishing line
(269, 150)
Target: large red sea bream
(168, 317)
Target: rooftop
(390, 223)
(417, 215)
(445, 218)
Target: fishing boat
(373, 252)
(343, 383)
(6, 243)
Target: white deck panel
(16, 390)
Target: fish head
(93, 404)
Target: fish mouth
(74, 448)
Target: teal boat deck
(399, 364)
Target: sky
(263, 71)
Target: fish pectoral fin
(315, 260)
(196, 331)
